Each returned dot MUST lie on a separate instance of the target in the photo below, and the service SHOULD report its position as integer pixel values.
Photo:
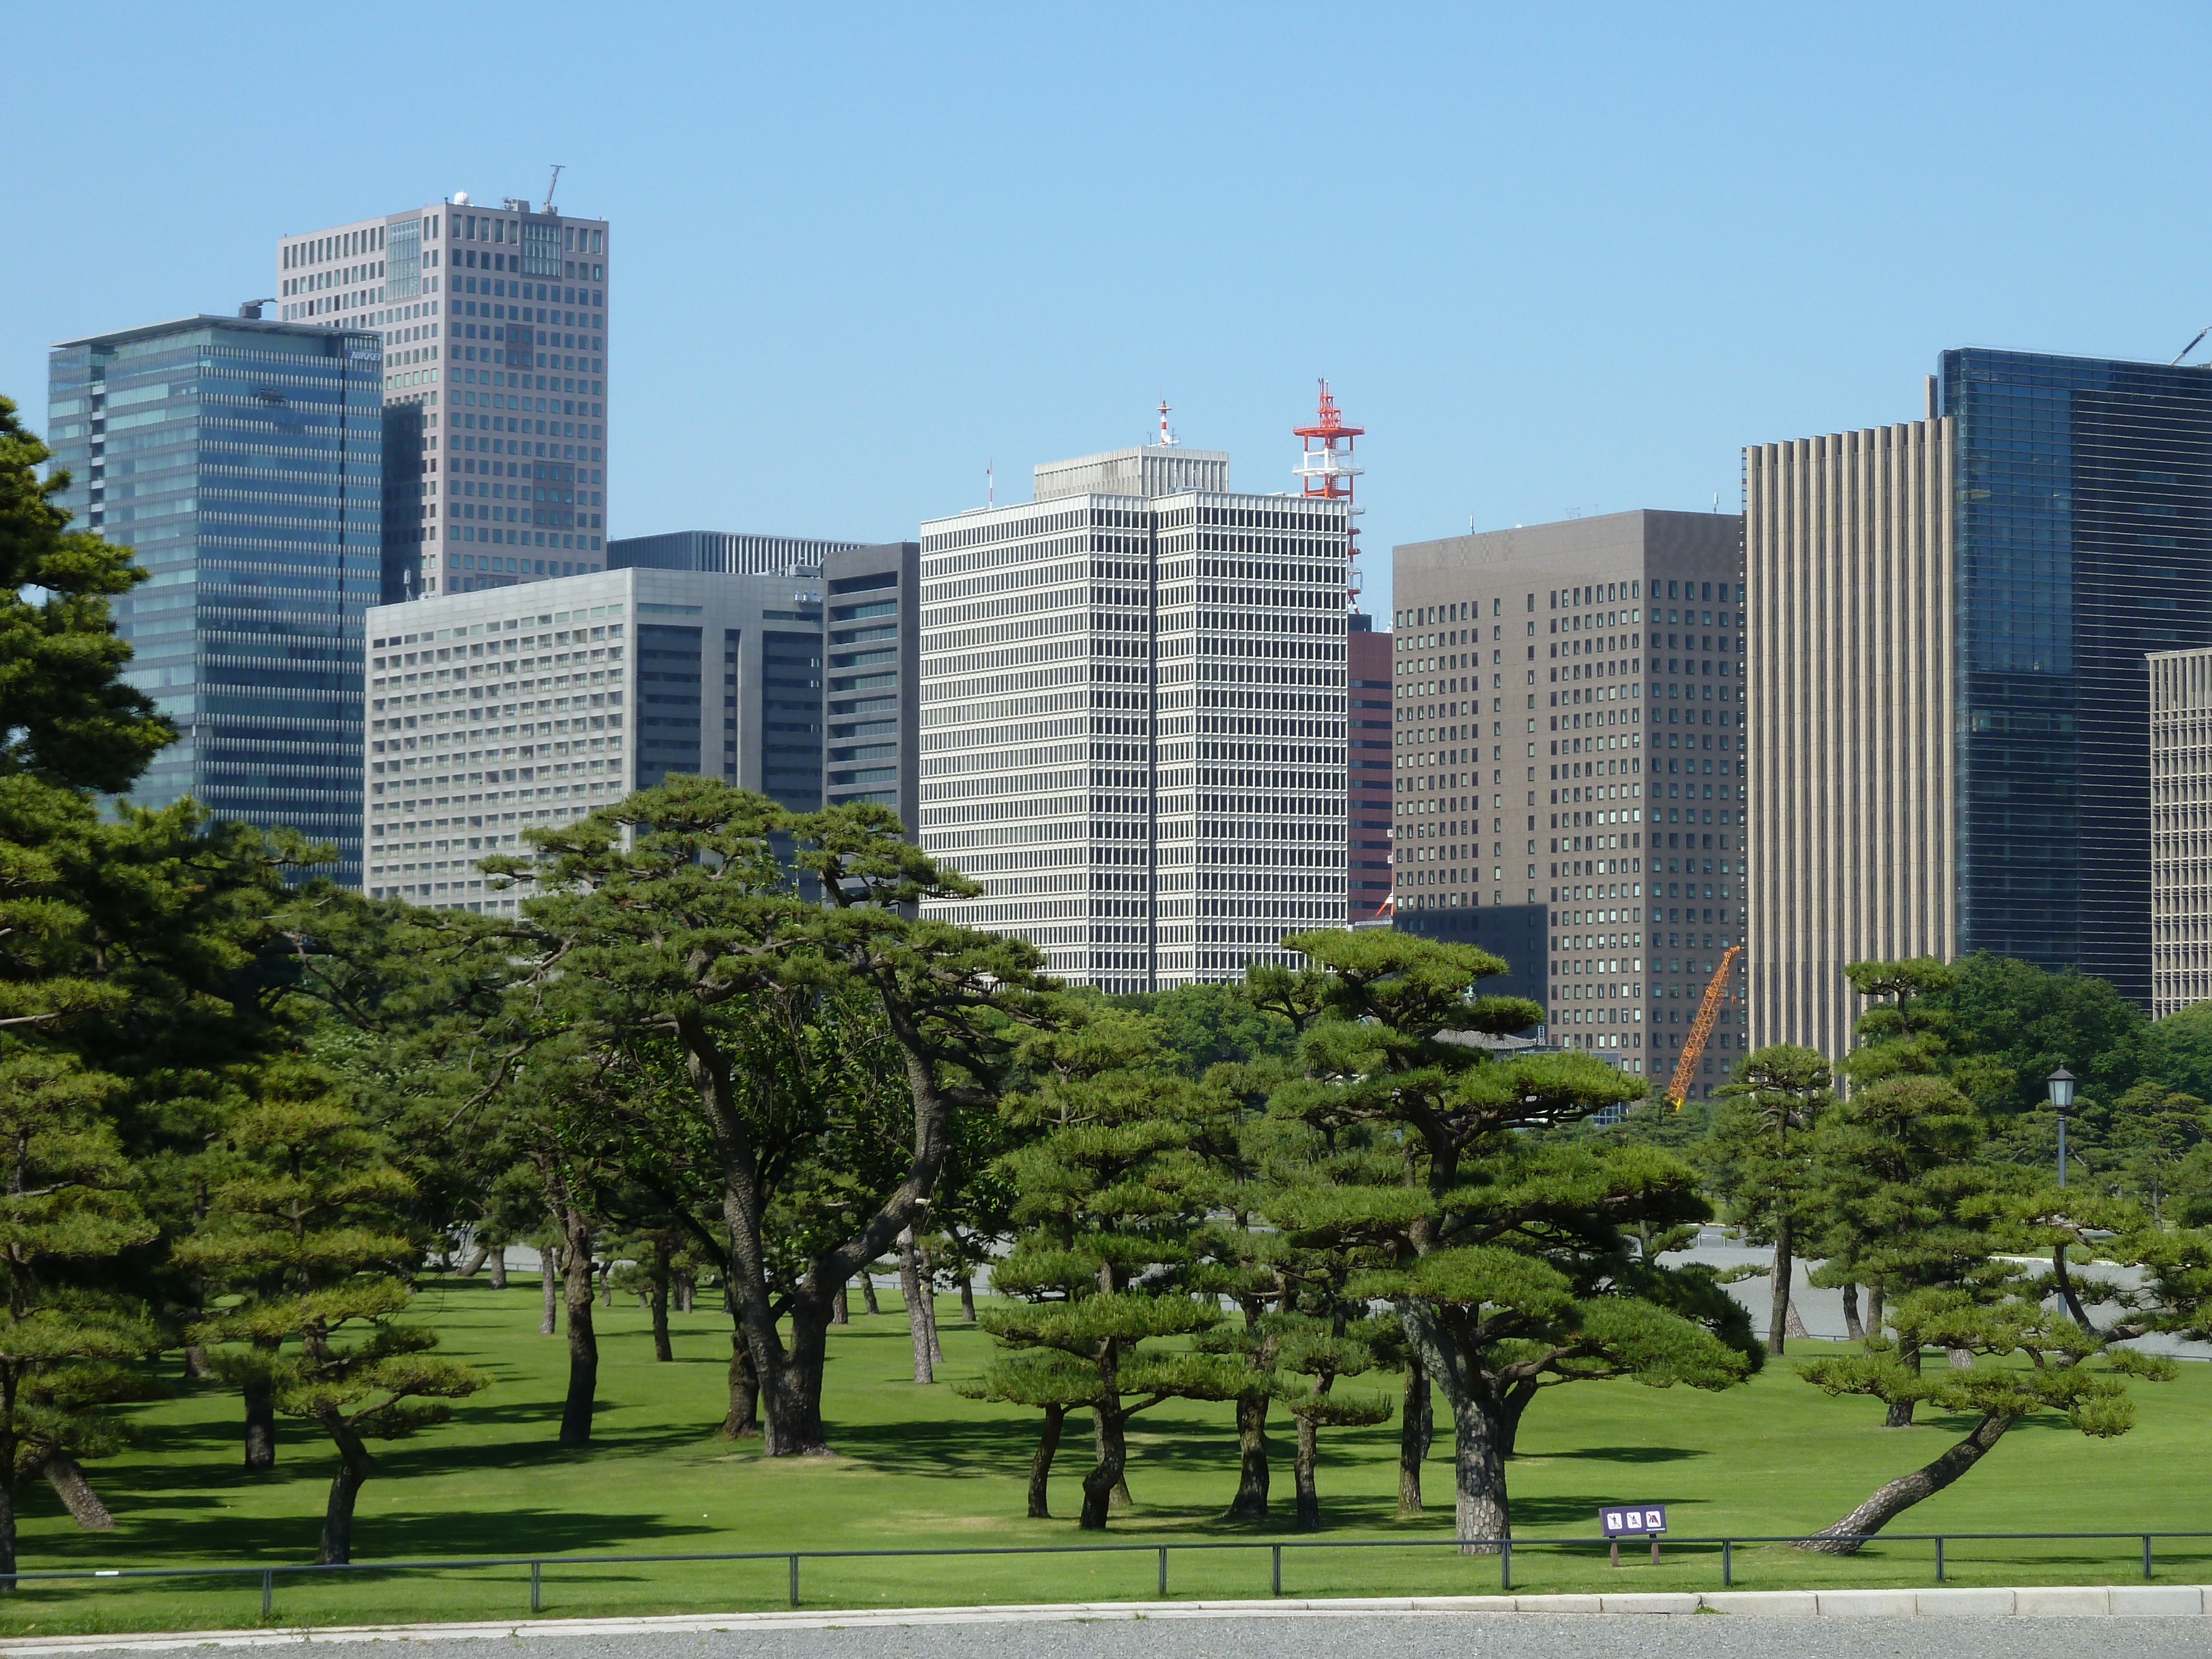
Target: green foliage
(1207, 1025)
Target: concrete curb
(2153, 1601)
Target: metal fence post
(2145, 1555)
(1164, 1571)
(268, 1590)
(1278, 1570)
(794, 1578)
(537, 1595)
(1506, 1565)
(1728, 1564)
(1939, 1558)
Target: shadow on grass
(1625, 1454)
(411, 1534)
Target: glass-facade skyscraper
(242, 462)
(1950, 698)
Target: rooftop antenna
(1327, 469)
(1167, 438)
(990, 483)
(2192, 346)
(549, 186)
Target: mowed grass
(921, 1469)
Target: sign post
(1619, 1521)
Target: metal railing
(1504, 1547)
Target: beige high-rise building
(1848, 553)
(2180, 829)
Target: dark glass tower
(242, 461)
(2083, 540)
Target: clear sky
(1557, 259)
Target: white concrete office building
(2181, 829)
(1133, 717)
(491, 711)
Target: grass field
(920, 1467)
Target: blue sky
(1555, 259)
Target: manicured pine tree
(1761, 1151)
(301, 1230)
(1117, 1185)
(1509, 1257)
(67, 1216)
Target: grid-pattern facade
(242, 462)
(1848, 549)
(495, 710)
(1132, 721)
(1571, 789)
(493, 325)
(872, 662)
(1368, 774)
(2181, 829)
(729, 553)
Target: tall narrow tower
(1328, 471)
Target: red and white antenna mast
(1327, 469)
(1167, 437)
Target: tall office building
(241, 461)
(494, 710)
(717, 550)
(493, 325)
(871, 669)
(1951, 701)
(2180, 819)
(1368, 770)
(1133, 717)
(1559, 687)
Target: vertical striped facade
(2181, 829)
(1849, 554)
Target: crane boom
(1709, 1011)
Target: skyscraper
(242, 460)
(1559, 687)
(2181, 815)
(1950, 698)
(494, 323)
(1133, 717)
(1369, 774)
(494, 710)
(872, 672)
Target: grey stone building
(1559, 687)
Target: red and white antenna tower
(1327, 469)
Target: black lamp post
(2061, 1083)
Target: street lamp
(2061, 1083)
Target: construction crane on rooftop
(553, 184)
(1708, 1013)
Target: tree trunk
(1852, 1328)
(7, 1535)
(1902, 1494)
(661, 1350)
(497, 1262)
(1411, 1411)
(583, 1340)
(967, 1298)
(354, 1468)
(1795, 1325)
(1777, 1319)
(686, 1288)
(2066, 1293)
(472, 1263)
(927, 1270)
(548, 1266)
(1518, 1398)
(1959, 1359)
(606, 1284)
(1309, 1496)
(790, 1392)
(917, 1321)
(196, 1369)
(1478, 1477)
(1250, 1503)
(868, 1294)
(1899, 1415)
(841, 1308)
(260, 1424)
(1041, 1464)
(76, 1494)
(1103, 1487)
(742, 1420)
(1874, 1306)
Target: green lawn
(922, 1468)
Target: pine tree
(1509, 1258)
(1761, 1144)
(67, 1214)
(302, 1230)
(1115, 1189)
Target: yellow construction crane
(1709, 1011)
